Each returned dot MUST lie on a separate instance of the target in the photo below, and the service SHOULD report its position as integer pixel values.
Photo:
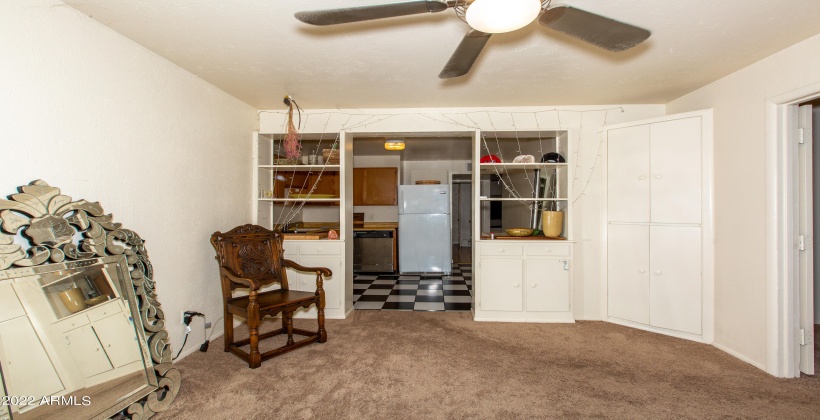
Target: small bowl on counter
(519, 231)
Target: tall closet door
(675, 288)
(628, 272)
(675, 156)
(628, 174)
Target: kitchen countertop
(378, 226)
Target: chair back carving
(253, 252)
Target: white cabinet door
(87, 351)
(675, 285)
(628, 174)
(333, 285)
(119, 339)
(27, 368)
(547, 285)
(501, 288)
(676, 171)
(628, 272)
(10, 306)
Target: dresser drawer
(320, 248)
(548, 250)
(73, 322)
(501, 250)
(104, 310)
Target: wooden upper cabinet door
(375, 186)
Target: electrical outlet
(207, 325)
(181, 317)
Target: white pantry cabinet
(657, 200)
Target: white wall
(584, 121)
(738, 101)
(106, 120)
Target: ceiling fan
(487, 17)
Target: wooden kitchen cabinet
(301, 182)
(375, 186)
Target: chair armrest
(318, 270)
(232, 276)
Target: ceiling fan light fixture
(499, 16)
(394, 144)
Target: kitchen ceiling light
(394, 144)
(499, 16)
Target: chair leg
(254, 357)
(228, 330)
(322, 332)
(289, 325)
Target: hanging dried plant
(292, 143)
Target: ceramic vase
(552, 223)
(73, 299)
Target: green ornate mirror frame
(79, 318)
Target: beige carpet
(437, 365)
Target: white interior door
(806, 245)
(675, 284)
(465, 214)
(628, 272)
(628, 174)
(676, 186)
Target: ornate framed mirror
(82, 334)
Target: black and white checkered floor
(422, 292)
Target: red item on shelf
(490, 159)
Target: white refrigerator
(424, 229)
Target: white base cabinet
(655, 276)
(523, 282)
(321, 253)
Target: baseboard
(191, 348)
(743, 358)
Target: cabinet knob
(516, 284)
(318, 249)
(658, 176)
(658, 272)
(642, 271)
(642, 177)
(502, 250)
(533, 285)
(549, 250)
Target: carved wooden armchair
(251, 256)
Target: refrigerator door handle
(401, 201)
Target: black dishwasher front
(373, 251)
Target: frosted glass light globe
(499, 16)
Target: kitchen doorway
(462, 226)
(434, 161)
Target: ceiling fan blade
(598, 30)
(465, 55)
(380, 11)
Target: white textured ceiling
(257, 51)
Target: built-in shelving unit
(522, 279)
(289, 194)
